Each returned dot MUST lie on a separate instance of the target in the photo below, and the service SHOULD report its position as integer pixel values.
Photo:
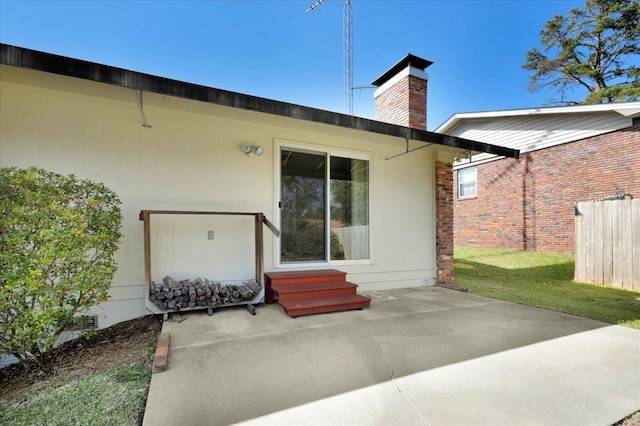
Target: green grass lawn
(112, 396)
(101, 380)
(544, 280)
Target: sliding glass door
(302, 206)
(324, 207)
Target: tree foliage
(350, 202)
(59, 235)
(596, 48)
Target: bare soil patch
(126, 343)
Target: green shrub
(58, 239)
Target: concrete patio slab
(417, 356)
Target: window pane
(467, 189)
(303, 210)
(349, 186)
(467, 182)
(467, 175)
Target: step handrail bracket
(271, 226)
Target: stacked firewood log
(176, 295)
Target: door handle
(279, 204)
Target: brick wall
(528, 204)
(444, 224)
(404, 103)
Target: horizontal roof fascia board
(47, 62)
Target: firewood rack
(259, 221)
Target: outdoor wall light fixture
(252, 150)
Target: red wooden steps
(296, 308)
(313, 292)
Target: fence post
(627, 245)
(579, 273)
(616, 231)
(635, 232)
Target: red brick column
(444, 224)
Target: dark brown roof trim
(409, 60)
(47, 62)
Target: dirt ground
(126, 343)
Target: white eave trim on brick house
(538, 128)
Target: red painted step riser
(329, 302)
(302, 274)
(313, 287)
(283, 297)
(308, 280)
(324, 309)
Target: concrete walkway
(417, 356)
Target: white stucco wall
(191, 159)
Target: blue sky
(274, 49)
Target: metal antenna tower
(347, 53)
(347, 56)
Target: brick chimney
(401, 97)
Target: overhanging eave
(55, 64)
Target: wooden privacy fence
(608, 243)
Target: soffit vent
(85, 322)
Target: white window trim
(282, 144)
(459, 182)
